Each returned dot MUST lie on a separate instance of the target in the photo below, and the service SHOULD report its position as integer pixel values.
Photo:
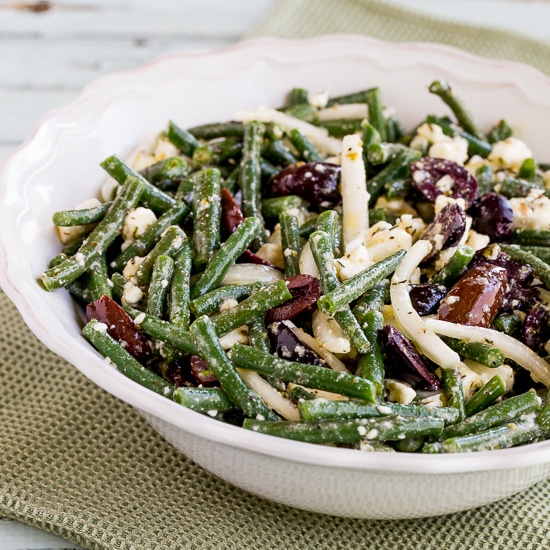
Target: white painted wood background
(50, 50)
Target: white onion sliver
(512, 348)
(349, 110)
(271, 397)
(355, 197)
(411, 323)
(240, 274)
(330, 359)
(319, 136)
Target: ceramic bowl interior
(58, 167)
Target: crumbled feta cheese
(399, 392)
(100, 327)
(477, 240)
(485, 373)
(354, 262)
(454, 149)
(131, 294)
(228, 303)
(136, 222)
(532, 211)
(319, 99)
(131, 268)
(509, 154)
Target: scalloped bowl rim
(114, 382)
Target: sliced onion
(240, 274)
(271, 397)
(347, 110)
(355, 197)
(329, 358)
(512, 348)
(410, 322)
(328, 333)
(319, 136)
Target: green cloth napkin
(78, 462)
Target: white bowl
(58, 167)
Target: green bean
(308, 227)
(373, 298)
(173, 335)
(231, 182)
(373, 98)
(304, 111)
(211, 401)
(275, 206)
(217, 152)
(206, 217)
(531, 237)
(117, 282)
(210, 303)
(325, 409)
(480, 352)
(543, 417)
(508, 323)
(291, 243)
(329, 221)
(380, 153)
(371, 364)
(517, 187)
(83, 216)
(184, 192)
(358, 284)
(463, 116)
(152, 197)
(476, 146)
(217, 130)
(168, 245)
(310, 376)
(179, 312)
(495, 415)
(250, 175)
(410, 444)
(321, 247)
(78, 289)
(500, 437)
(297, 96)
(97, 279)
(452, 389)
(486, 396)
(98, 240)
(144, 244)
(297, 394)
(278, 153)
(397, 188)
(398, 168)
(184, 140)
(455, 267)
(205, 337)
(349, 431)
(226, 256)
(394, 129)
(484, 177)
(307, 149)
(96, 333)
(540, 268)
(267, 169)
(166, 169)
(355, 97)
(163, 268)
(528, 169)
(499, 132)
(341, 127)
(380, 215)
(541, 252)
(256, 304)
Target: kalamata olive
(446, 229)
(536, 329)
(250, 257)
(232, 215)
(435, 176)
(476, 298)
(492, 215)
(305, 291)
(201, 371)
(285, 344)
(120, 326)
(425, 297)
(405, 361)
(316, 182)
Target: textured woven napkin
(78, 462)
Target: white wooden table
(50, 50)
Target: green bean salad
(320, 273)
